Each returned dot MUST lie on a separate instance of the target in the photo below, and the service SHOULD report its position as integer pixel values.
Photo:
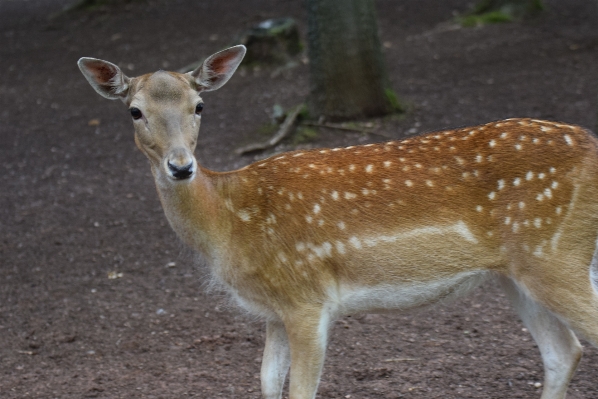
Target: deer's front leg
(275, 361)
(308, 336)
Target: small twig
(72, 6)
(401, 359)
(282, 132)
(350, 129)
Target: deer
(305, 237)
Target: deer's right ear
(105, 77)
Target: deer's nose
(181, 171)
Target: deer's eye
(199, 108)
(135, 113)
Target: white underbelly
(385, 297)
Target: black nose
(181, 172)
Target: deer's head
(165, 106)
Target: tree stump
(272, 42)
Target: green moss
(492, 17)
(304, 134)
(397, 105)
(487, 12)
(303, 114)
(537, 5)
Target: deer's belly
(350, 299)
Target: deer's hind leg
(558, 345)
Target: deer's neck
(193, 210)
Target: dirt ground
(98, 299)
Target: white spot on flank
(309, 219)
(508, 220)
(244, 215)
(355, 242)
(541, 176)
(548, 193)
(501, 184)
(479, 158)
(539, 251)
(387, 164)
(334, 195)
(317, 209)
(521, 205)
(555, 240)
(515, 227)
(408, 183)
(492, 143)
(537, 223)
(529, 175)
(558, 210)
(540, 197)
(568, 140)
(327, 249)
(459, 160)
(349, 195)
(517, 181)
(341, 225)
(504, 135)
(518, 147)
(299, 154)
(369, 168)
(552, 170)
(492, 195)
(352, 168)
(554, 185)
(545, 129)
(479, 208)
(365, 191)
(429, 183)
(340, 247)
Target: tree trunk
(348, 78)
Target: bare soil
(97, 297)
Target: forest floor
(97, 296)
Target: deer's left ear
(105, 77)
(218, 68)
